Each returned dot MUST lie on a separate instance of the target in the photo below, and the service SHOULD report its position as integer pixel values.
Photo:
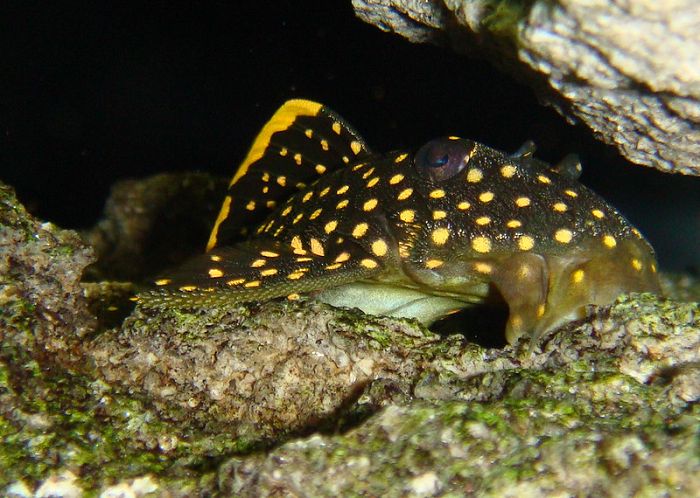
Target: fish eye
(443, 158)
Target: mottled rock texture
(298, 398)
(626, 68)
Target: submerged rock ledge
(300, 398)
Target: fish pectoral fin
(259, 269)
(301, 142)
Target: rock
(141, 232)
(43, 313)
(609, 408)
(628, 70)
(302, 398)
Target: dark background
(92, 94)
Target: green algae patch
(56, 421)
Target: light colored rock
(626, 68)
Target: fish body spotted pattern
(409, 233)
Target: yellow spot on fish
(316, 214)
(653, 267)
(284, 151)
(295, 275)
(407, 215)
(598, 213)
(379, 247)
(396, 179)
(296, 243)
(265, 189)
(434, 263)
(563, 235)
(342, 189)
(235, 281)
(316, 247)
(481, 244)
(342, 257)
(320, 169)
(188, 288)
(269, 254)
(373, 182)
(571, 193)
(334, 266)
(215, 273)
(270, 204)
(369, 263)
(577, 276)
(484, 268)
(286, 210)
(369, 205)
(367, 173)
(609, 241)
(342, 204)
(293, 296)
(324, 192)
(356, 147)
(336, 127)
(440, 236)
(540, 310)
(525, 243)
(268, 272)
(486, 197)
(163, 281)
(258, 263)
(560, 207)
(636, 264)
(282, 181)
(404, 194)
(437, 194)
(297, 218)
(522, 201)
(508, 171)
(309, 133)
(514, 224)
(330, 226)
(215, 258)
(483, 220)
(544, 179)
(324, 144)
(297, 159)
(250, 206)
(475, 175)
(307, 196)
(359, 166)
(463, 206)
(439, 215)
(360, 229)
(401, 157)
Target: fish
(422, 233)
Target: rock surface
(300, 398)
(627, 69)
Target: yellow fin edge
(281, 120)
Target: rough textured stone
(42, 308)
(608, 408)
(141, 232)
(181, 403)
(627, 69)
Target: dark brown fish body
(416, 234)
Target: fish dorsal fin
(302, 141)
